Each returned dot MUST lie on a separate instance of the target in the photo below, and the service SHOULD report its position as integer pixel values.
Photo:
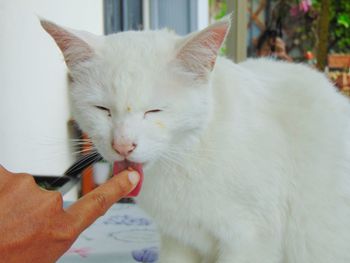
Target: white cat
(243, 163)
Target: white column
(237, 38)
(146, 12)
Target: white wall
(34, 108)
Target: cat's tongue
(123, 165)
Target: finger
(87, 209)
(3, 170)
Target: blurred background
(37, 131)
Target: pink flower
(304, 6)
(294, 11)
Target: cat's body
(273, 167)
(245, 163)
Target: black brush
(71, 175)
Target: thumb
(93, 205)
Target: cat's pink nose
(124, 149)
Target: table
(124, 234)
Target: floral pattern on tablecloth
(124, 234)
(148, 255)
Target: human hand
(34, 227)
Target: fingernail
(134, 177)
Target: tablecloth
(124, 234)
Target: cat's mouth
(119, 166)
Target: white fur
(249, 165)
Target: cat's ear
(198, 53)
(73, 44)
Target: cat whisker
(196, 157)
(174, 159)
(192, 153)
(90, 149)
(80, 139)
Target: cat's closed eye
(151, 111)
(104, 109)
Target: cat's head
(140, 95)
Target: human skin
(280, 52)
(34, 226)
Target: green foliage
(339, 39)
(343, 20)
(221, 10)
(301, 28)
(218, 11)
